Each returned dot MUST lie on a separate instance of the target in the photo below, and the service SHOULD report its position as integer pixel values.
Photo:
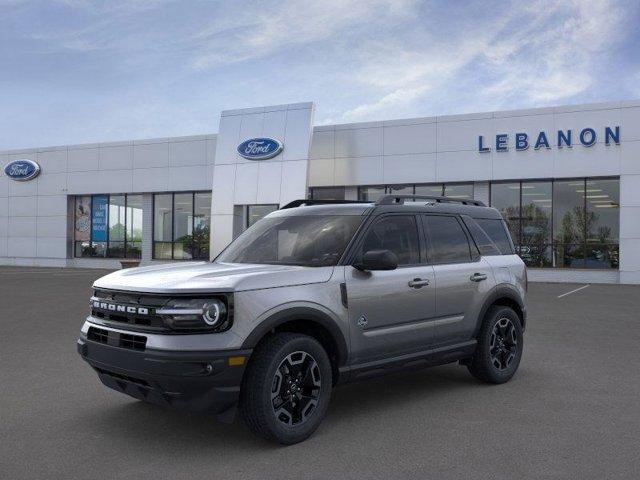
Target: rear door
(389, 310)
(462, 277)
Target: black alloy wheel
(504, 344)
(296, 388)
(499, 347)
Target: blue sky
(77, 71)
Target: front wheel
(286, 389)
(499, 349)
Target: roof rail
(400, 199)
(309, 202)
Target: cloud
(93, 71)
(537, 54)
(246, 33)
(555, 57)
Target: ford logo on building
(22, 170)
(260, 148)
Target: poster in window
(99, 218)
(83, 219)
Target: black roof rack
(399, 199)
(308, 202)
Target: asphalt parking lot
(572, 411)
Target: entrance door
(389, 310)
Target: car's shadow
(161, 428)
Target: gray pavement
(572, 411)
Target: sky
(77, 71)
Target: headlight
(197, 313)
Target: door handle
(478, 277)
(418, 283)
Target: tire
(499, 349)
(286, 388)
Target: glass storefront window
(182, 223)
(201, 225)
(82, 226)
(371, 194)
(134, 226)
(400, 189)
(106, 226)
(430, 190)
(162, 226)
(117, 219)
(535, 239)
(562, 223)
(327, 193)
(463, 191)
(257, 212)
(506, 198)
(569, 223)
(603, 223)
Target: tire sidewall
(500, 376)
(293, 434)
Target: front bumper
(197, 381)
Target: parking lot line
(573, 291)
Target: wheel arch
(308, 321)
(507, 296)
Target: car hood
(211, 277)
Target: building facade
(566, 179)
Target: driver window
(397, 233)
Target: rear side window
(397, 233)
(497, 232)
(447, 241)
(481, 238)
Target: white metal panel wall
(238, 181)
(33, 214)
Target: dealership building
(566, 179)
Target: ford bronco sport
(315, 294)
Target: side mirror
(378, 260)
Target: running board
(425, 358)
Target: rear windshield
(498, 233)
(310, 240)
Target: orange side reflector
(236, 361)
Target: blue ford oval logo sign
(22, 170)
(260, 148)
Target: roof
(361, 208)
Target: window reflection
(562, 223)
(371, 194)
(182, 224)
(327, 193)
(535, 240)
(506, 198)
(463, 191)
(108, 226)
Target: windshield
(310, 240)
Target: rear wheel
(286, 389)
(499, 349)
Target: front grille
(98, 335)
(136, 310)
(117, 339)
(126, 378)
(135, 342)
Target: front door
(389, 310)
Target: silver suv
(313, 295)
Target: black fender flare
(300, 313)
(502, 291)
